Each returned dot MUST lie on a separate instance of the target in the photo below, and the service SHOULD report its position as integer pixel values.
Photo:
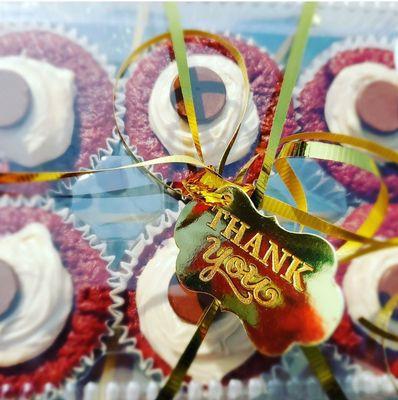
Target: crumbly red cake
(254, 366)
(93, 102)
(347, 337)
(265, 80)
(311, 108)
(87, 322)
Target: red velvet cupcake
(352, 88)
(59, 108)
(54, 297)
(161, 317)
(154, 115)
(368, 282)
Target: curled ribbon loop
(180, 54)
(338, 153)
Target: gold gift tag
(279, 283)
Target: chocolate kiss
(377, 106)
(188, 305)
(208, 91)
(8, 287)
(388, 286)
(15, 99)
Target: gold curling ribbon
(291, 213)
(282, 107)
(323, 372)
(240, 176)
(286, 171)
(45, 176)
(327, 151)
(368, 228)
(119, 75)
(270, 204)
(177, 37)
(294, 146)
(364, 144)
(332, 152)
(292, 182)
(350, 156)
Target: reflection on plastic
(112, 207)
(265, 388)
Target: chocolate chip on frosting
(208, 91)
(377, 106)
(15, 98)
(388, 287)
(388, 282)
(189, 306)
(8, 286)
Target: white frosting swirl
(174, 132)
(47, 131)
(46, 295)
(226, 345)
(360, 286)
(340, 106)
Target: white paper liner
(93, 50)
(93, 241)
(112, 144)
(120, 96)
(122, 277)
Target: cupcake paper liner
(121, 97)
(350, 43)
(92, 240)
(71, 34)
(127, 271)
(98, 56)
(363, 376)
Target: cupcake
(161, 317)
(54, 297)
(58, 110)
(352, 88)
(155, 119)
(368, 282)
